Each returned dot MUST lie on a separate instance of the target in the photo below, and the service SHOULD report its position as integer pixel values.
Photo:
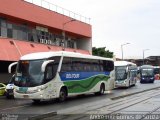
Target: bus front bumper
(120, 84)
(40, 95)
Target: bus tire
(101, 91)
(134, 83)
(141, 82)
(63, 94)
(36, 101)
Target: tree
(102, 52)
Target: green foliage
(102, 52)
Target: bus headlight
(31, 91)
(41, 96)
(39, 90)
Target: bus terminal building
(28, 27)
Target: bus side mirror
(45, 63)
(10, 67)
(127, 70)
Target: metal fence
(60, 10)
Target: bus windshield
(29, 73)
(147, 72)
(121, 72)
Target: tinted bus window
(77, 64)
(88, 65)
(108, 65)
(66, 64)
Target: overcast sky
(116, 22)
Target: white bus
(125, 73)
(49, 75)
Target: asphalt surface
(75, 105)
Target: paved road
(142, 106)
(75, 104)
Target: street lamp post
(122, 48)
(143, 54)
(63, 33)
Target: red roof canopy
(12, 50)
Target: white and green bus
(125, 74)
(49, 75)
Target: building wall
(85, 44)
(33, 13)
(12, 50)
(21, 13)
(151, 60)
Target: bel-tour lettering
(72, 75)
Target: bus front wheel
(62, 95)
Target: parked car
(10, 88)
(2, 89)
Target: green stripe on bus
(84, 85)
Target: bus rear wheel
(101, 91)
(62, 95)
(36, 101)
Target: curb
(46, 115)
(122, 96)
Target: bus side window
(108, 65)
(77, 64)
(49, 72)
(66, 64)
(130, 72)
(101, 65)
